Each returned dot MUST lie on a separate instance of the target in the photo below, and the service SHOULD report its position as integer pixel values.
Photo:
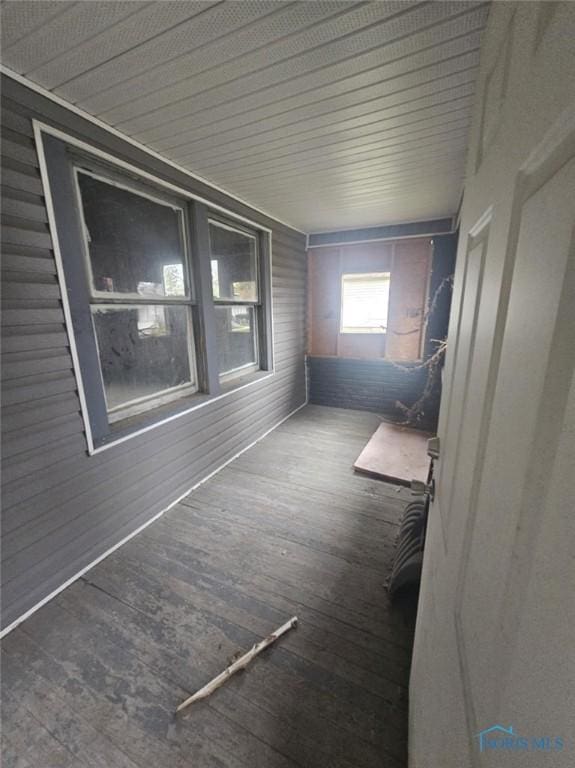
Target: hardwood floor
(93, 678)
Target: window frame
(147, 403)
(98, 298)
(57, 152)
(256, 305)
(348, 330)
(84, 165)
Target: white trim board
(396, 223)
(155, 517)
(142, 147)
(378, 240)
(343, 243)
(42, 128)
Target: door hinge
(419, 488)
(433, 447)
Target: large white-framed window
(140, 292)
(364, 302)
(235, 272)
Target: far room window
(364, 302)
(140, 294)
(236, 294)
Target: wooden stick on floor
(240, 663)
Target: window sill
(133, 426)
(229, 384)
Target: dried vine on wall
(414, 413)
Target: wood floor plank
(110, 668)
(267, 486)
(105, 710)
(12, 754)
(30, 738)
(81, 738)
(295, 553)
(375, 553)
(193, 650)
(92, 679)
(384, 679)
(361, 592)
(333, 481)
(364, 645)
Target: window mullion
(264, 309)
(208, 354)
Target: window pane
(144, 351)
(236, 337)
(135, 244)
(364, 302)
(234, 265)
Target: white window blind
(364, 302)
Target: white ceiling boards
(327, 115)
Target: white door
(493, 676)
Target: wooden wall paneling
(324, 289)
(407, 299)
(409, 263)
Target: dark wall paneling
(367, 385)
(443, 266)
(377, 385)
(63, 508)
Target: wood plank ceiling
(328, 115)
